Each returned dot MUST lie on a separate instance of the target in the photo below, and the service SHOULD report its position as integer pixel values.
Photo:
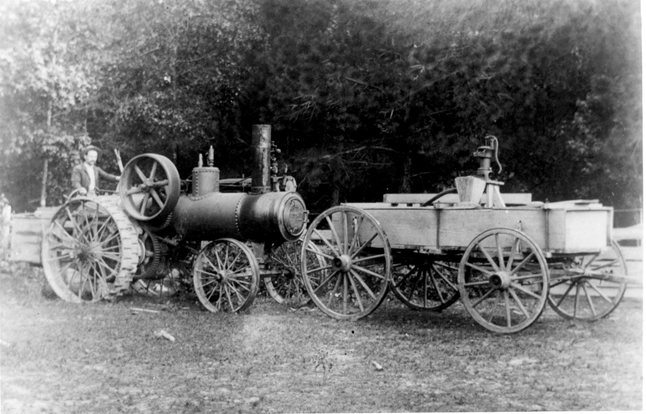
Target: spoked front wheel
(503, 280)
(226, 276)
(351, 277)
(427, 285)
(588, 287)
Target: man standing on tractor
(85, 176)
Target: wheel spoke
(357, 223)
(363, 284)
(336, 286)
(144, 203)
(156, 197)
(522, 263)
(327, 242)
(435, 286)
(479, 269)
(587, 296)
(363, 259)
(526, 291)
(501, 257)
(140, 173)
(345, 234)
(600, 293)
(233, 262)
(345, 293)
(444, 278)
(477, 283)
(318, 269)
(483, 297)
(334, 233)
(369, 272)
(326, 281)
(356, 294)
(505, 294)
(153, 170)
(489, 258)
(134, 190)
(353, 255)
(519, 303)
(319, 253)
(416, 282)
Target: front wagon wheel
(351, 277)
(226, 276)
(503, 280)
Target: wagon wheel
(149, 187)
(354, 251)
(226, 276)
(89, 250)
(427, 285)
(584, 287)
(288, 287)
(506, 285)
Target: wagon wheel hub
(500, 280)
(343, 263)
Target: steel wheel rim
(506, 287)
(580, 291)
(226, 276)
(355, 278)
(82, 251)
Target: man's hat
(85, 150)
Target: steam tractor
(94, 248)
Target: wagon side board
(563, 229)
(27, 234)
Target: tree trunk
(405, 184)
(43, 191)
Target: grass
(59, 357)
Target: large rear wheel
(90, 250)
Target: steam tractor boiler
(95, 248)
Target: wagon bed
(503, 255)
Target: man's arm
(106, 176)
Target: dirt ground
(57, 357)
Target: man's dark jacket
(80, 177)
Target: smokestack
(261, 142)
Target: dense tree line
(364, 96)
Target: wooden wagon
(504, 255)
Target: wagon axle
(342, 263)
(500, 280)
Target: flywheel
(90, 250)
